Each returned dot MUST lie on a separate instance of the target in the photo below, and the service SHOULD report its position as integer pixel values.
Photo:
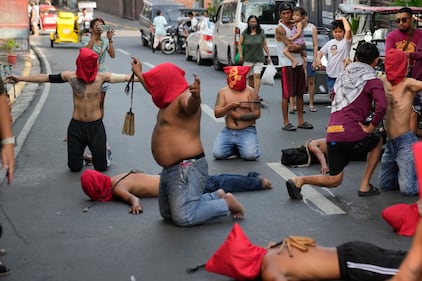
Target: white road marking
(308, 192)
(123, 52)
(210, 112)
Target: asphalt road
(48, 237)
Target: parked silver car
(199, 43)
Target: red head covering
(236, 77)
(237, 257)
(96, 185)
(87, 65)
(403, 218)
(165, 82)
(395, 66)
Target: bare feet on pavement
(265, 182)
(236, 209)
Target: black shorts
(340, 153)
(293, 81)
(361, 261)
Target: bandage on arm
(118, 78)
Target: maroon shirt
(417, 57)
(343, 125)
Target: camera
(106, 27)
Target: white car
(199, 43)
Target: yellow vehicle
(67, 29)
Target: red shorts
(293, 82)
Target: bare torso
(400, 100)
(317, 263)
(86, 97)
(245, 100)
(176, 135)
(139, 184)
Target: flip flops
(293, 190)
(371, 192)
(312, 109)
(288, 127)
(306, 125)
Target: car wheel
(217, 65)
(187, 56)
(199, 60)
(144, 41)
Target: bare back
(317, 263)
(139, 184)
(400, 99)
(86, 96)
(246, 99)
(176, 135)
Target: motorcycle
(169, 42)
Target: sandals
(306, 125)
(312, 109)
(371, 192)
(288, 127)
(293, 190)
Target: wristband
(10, 140)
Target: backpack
(296, 157)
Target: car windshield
(171, 14)
(265, 11)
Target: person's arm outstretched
(318, 148)
(193, 103)
(121, 191)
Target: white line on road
(210, 112)
(308, 192)
(123, 52)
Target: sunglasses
(403, 20)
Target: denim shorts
(181, 198)
(309, 71)
(398, 165)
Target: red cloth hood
(395, 66)
(165, 82)
(236, 77)
(237, 257)
(87, 65)
(403, 218)
(96, 185)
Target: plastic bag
(268, 76)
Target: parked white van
(231, 20)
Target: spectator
(310, 31)
(159, 25)
(35, 18)
(409, 39)
(132, 186)
(86, 127)
(240, 104)
(298, 35)
(84, 21)
(293, 81)
(193, 20)
(354, 92)
(176, 146)
(336, 50)
(253, 41)
(397, 169)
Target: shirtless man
(240, 104)
(397, 163)
(87, 116)
(132, 186)
(176, 146)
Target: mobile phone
(106, 27)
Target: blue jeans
(234, 183)
(181, 197)
(243, 143)
(398, 165)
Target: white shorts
(256, 67)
